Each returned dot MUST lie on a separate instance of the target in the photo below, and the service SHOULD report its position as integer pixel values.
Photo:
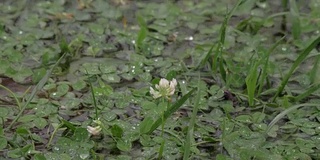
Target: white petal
(163, 82)
(157, 87)
(173, 83)
(171, 92)
(154, 93)
(94, 130)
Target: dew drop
(56, 148)
(189, 38)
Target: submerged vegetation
(163, 79)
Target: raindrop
(4, 37)
(156, 60)
(20, 32)
(317, 31)
(189, 38)
(284, 49)
(183, 82)
(56, 148)
(54, 94)
(133, 42)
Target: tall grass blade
(308, 92)
(189, 138)
(13, 95)
(38, 87)
(251, 82)
(296, 26)
(285, 112)
(142, 34)
(206, 58)
(170, 111)
(219, 49)
(93, 98)
(266, 65)
(315, 69)
(302, 56)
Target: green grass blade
(251, 82)
(188, 141)
(38, 87)
(206, 58)
(296, 26)
(161, 149)
(170, 111)
(93, 98)
(142, 34)
(219, 48)
(302, 56)
(308, 92)
(13, 95)
(266, 65)
(315, 69)
(285, 112)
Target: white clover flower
(94, 130)
(164, 89)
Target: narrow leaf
(170, 111)
(298, 61)
(188, 141)
(251, 82)
(266, 65)
(285, 112)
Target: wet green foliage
(247, 73)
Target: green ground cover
(162, 79)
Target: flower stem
(162, 132)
